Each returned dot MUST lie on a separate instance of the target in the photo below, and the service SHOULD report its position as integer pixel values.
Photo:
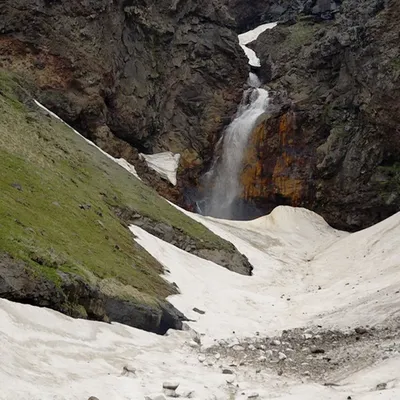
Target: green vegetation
(56, 198)
(300, 34)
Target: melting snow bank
(165, 164)
(306, 273)
(248, 37)
(120, 161)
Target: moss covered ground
(57, 194)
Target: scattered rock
(201, 358)
(237, 347)
(17, 186)
(308, 336)
(269, 353)
(275, 342)
(170, 385)
(282, 356)
(195, 309)
(85, 206)
(227, 371)
(193, 344)
(361, 330)
(253, 395)
(317, 350)
(127, 370)
(230, 379)
(93, 398)
(381, 386)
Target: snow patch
(250, 36)
(165, 164)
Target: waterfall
(222, 181)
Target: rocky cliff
(133, 76)
(331, 141)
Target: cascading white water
(224, 176)
(226, 185)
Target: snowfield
(305, 274)
(247, 37)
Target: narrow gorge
(222, 186)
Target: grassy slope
(43, 223)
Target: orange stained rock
(268, 172)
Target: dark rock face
(147, 76)
(228, 257)
(248, 14)
(78, 299)
(332, 140)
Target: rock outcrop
(75, 297)
(144, 76)
(331, 141)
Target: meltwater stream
(223, 179)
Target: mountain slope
(64, 209)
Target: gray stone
(381, 386)
(227, 371)
(282, 356)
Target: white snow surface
(121, 161)
(48, 356)
(250, 36)
(165, 164)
